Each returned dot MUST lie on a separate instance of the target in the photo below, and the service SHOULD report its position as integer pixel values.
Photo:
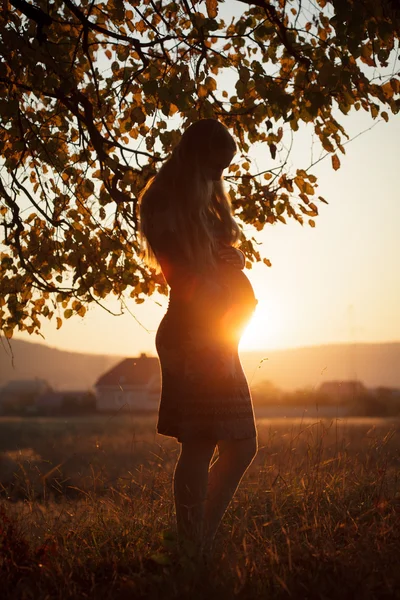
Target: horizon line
(243, 351)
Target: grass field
(86, 511)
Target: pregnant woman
(187, 229)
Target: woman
(188, 231)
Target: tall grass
(86, 510)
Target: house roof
(131, 371)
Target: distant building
(134, 383)
(387, 393)
(21, 395)
(65, 401)
(342, 390)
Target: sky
(337, 282)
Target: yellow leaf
(335, 162)
(141, 27)
(210, 84)
(8, 332)
(212, 8)
(267, 262)
(387, 90)
(374, 110)
(395, 85)
(59, 322)
(308, 188)
(311, 223)
(202, 91)
(299, 181)
(137, 115)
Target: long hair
(195, 208)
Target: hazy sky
(337, 282)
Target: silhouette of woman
(188, 231)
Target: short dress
(204, 391)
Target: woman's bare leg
(190, 489)
(235, 456)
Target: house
(134, 383)
(387, 393)
(21, 395)
(343, 390)
(71, 402)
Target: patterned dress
(204, 394)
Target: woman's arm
(232, 256)
(180, 273)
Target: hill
(63, 370)
(373, 364)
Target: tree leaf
(212, 8)
(335, 162)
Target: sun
(262, 332)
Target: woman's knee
(239, 450)
(201, 450)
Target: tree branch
(272, 15)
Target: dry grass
(86, 510)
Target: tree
(94, 95)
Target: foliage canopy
(94, 95)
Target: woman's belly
(219, 311)
(241, 302)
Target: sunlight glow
(263, 331)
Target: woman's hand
(233, 256)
